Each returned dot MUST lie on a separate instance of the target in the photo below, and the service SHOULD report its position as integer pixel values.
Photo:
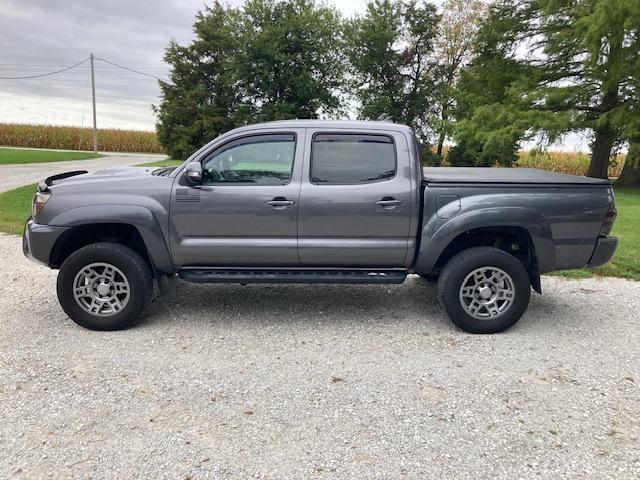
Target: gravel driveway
(13, 176)
(322, 382)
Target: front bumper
(38, 241)
(604, 251)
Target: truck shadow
(273, 303)
(415, 301)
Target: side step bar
(292, 276)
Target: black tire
(136, 272)
(462, 265)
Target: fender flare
(438, 234)
(141, 218)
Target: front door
(245, 212)
(356, 200)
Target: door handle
(389, 203)
(280, 203)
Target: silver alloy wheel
(487, 293)
(101, 289)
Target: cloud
(37, 36)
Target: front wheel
(484, 290)
(104, 286)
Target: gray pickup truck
(316, 202)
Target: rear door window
(348, 159)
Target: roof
(337, 124)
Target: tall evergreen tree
(592, 58)
(200, 101)
(630, 176)
(490, 124)
(579, 61)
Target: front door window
(257, 160)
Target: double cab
(316, 202)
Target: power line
(106, 70)
(129, 69)
(46, 74)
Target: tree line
(481, 77)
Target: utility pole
(93, 101)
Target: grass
(626, 262)
(10, 156)
(76, 138)
(15, 208)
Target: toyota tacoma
(316, 202)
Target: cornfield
(113, 140)
(574, 163)
(76, 138)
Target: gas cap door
(448, 206)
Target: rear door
(355, 200)
(246, 210)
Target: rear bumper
(38, 241)
(604, 251)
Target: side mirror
(193, 173)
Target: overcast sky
(38, 36)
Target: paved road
(318, 382)
(12, 176)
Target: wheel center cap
(484, 292)
(102, 289)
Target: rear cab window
(352, 158)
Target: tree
(592, 60)
(454, 49)
(290, 58)
(269, 60)
(630, 176)
(491, 117)
(582, 60)
(390, 50)
(200, 101)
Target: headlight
(39, 200)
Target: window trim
(362, 134)
(220, 148)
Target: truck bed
(504, 175)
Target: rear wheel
(429, 277)
(484, 290)
(105, 286)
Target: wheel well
(83, 235)
(513, 240)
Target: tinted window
(259, 160)
(349, 159)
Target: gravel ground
(13, 176)
(318, 382)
